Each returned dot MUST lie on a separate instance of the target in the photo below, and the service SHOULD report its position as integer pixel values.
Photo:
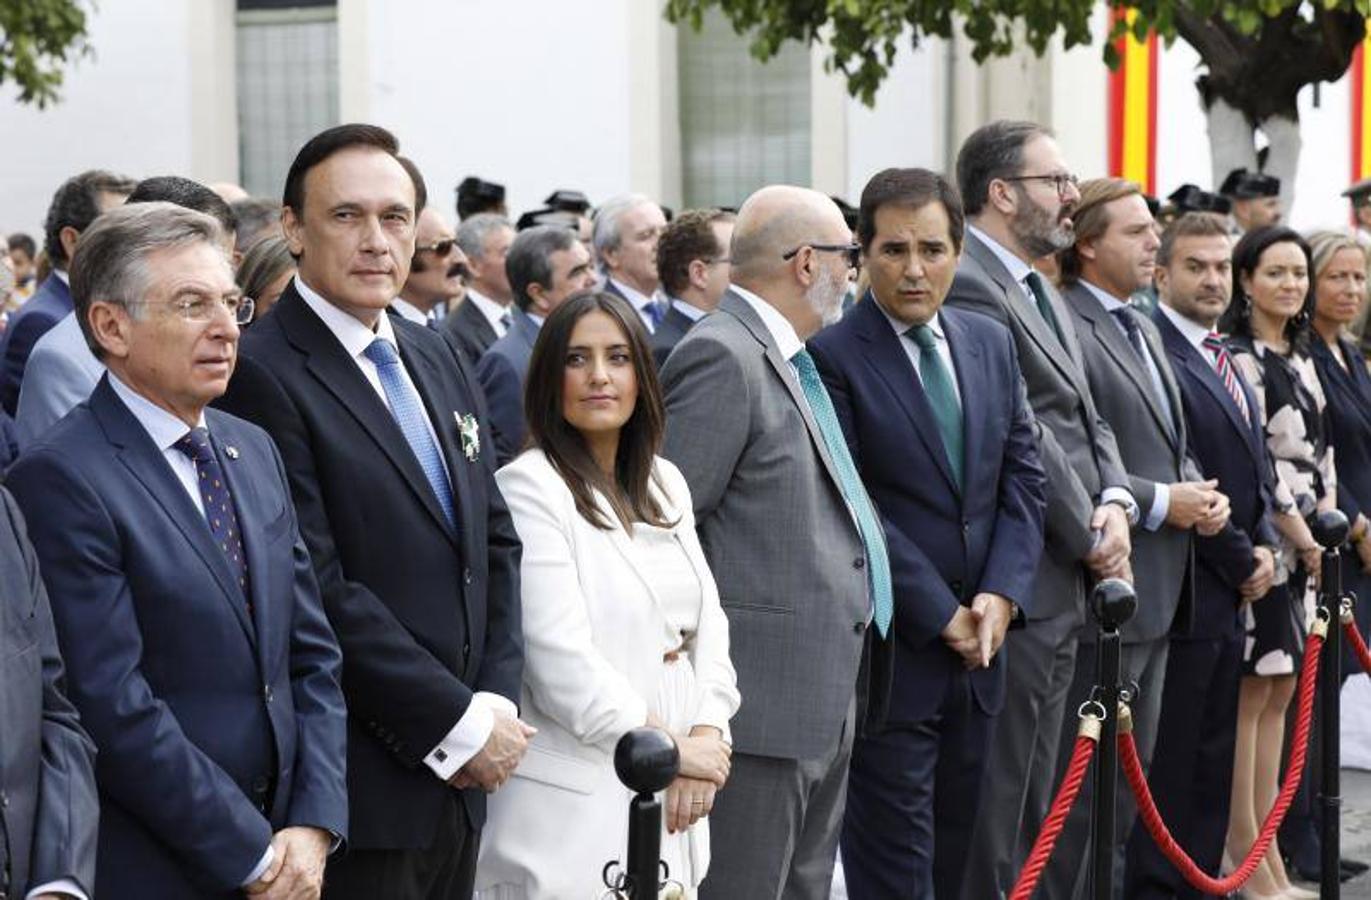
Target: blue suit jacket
(1349, 415)
(1233, 451)
(215, 726)
(501, 371)
(43, 310)
(946, 545)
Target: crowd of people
(341, 545)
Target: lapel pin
(231, 451)
(470, 431)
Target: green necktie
(1039, 289)
(942, 396)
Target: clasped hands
(976, 632)
(1199, 505)
(297, 866)
(706, 760)
(496, 761)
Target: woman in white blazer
(621, 617)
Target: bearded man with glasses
(1019, 196)
(197, 649)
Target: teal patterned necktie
(942, 397)
(873, 539)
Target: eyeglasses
(853, 251)
(202, 308)
(442, 248)
(1059, 181)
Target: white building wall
(155, 99)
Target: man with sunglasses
(196, 645)
(435, 273)
(1019, 196)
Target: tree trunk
(1232, 145)
(1283, 156)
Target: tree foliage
(1258, 52)
(38, 39)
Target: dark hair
(1190, 224)
(325, 144)
(420, 188)
(630, 493)
(529, 260)
(187, 193)
(992, 151)
(911, 189)
(23, 243)
(1090, 219)
(263, 263)
(688, 238)
(256, 216)
(1237, 319)
(76, 204)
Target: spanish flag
(1133, 107)
(1361, 111)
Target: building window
(744, 124)
(287, 86)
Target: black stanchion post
(1330, 529)
(646, 761)
(1114, 603)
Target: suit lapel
(145, 462)
(476, 322)
(253, 517)
(1184, 355)
(892, 366)
(427, 376)
(740, 309)
(971, 383)
(329, 363)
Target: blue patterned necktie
(942, 397)
(218, 503)
(654, 313)
(408, 413)
(873, 539)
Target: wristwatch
(1129, 507)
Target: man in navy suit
(1192, 765)
(197, 649)
(934, 408)
(692, 258)
(546, 264)
(379, 424)
(75, 205)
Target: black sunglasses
(442, 248)
(853, 251)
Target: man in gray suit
(1019, 196)
(791, 537)
(546, 264)
(1135, 391)
(49, 814)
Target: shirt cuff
(261, 869)
(1161, 504)
(469, 735)
(63, 886)
(1124, 498)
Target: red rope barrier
(1355, 641)
(1152, 819)
(1056, 816)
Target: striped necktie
(1223, 364)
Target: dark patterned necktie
(218, 502)
(942, 397)
(1038, 288)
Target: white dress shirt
(497, 314)
(640, 301)
(410, 312)
(691, 312)
(472, 730)
(1192, 331)
(914, 352)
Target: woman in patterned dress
(1269, 327)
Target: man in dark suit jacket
(961, 496)
(487, 308)
(50, 815)
(1131, 380)
(546, 265)
(470, 329)
(75, 205)
(1192, 764)
(1019, 196)
(692, 260)
(197, 648)
(417, 559)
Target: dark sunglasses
(442, 248)
(853, 251)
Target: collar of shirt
(1018, 269)
(409, 311)
(693, 313)
(782, 332)
(164, 428)
(350, 332)
(934, 324)
(489, 308)
(635, 296)
(536, 319)
(62, 276)
(1191, 330)
(1107, 300)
